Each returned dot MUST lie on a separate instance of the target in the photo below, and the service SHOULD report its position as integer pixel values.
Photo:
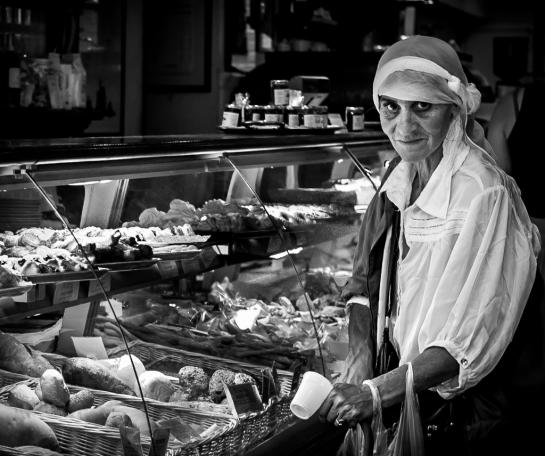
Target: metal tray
(188, 254)
(129, 265)
(72, 276)
(278, 130)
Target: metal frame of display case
(64, 161)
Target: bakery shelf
(145, 177)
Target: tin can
(354, 118)
(315, 117)
(280, 93)
(232, 116)
(274, 113)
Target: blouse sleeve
(483, 289)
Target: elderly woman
(446, 268)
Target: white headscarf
(424, 68)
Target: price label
(94, 286)
(130, 441)
(168, 269)
(159, 443)
(243, 399)
(90, 347)
(65, 292)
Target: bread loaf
(97, 415)
(89, 373)
(20, 427)
(15, 357)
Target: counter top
(129, 147)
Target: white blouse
(465, 280)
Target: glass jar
(315, 117)
(254, 113)
(293, 116)
(274, 113)
(232, 116)
(354, 118)
(280, 93)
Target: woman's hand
(347, 405)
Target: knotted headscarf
(427, 69)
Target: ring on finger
(338, 422)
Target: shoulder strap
(394, 256)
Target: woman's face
(415, 128)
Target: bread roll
(126, 373)
(156, 385)
(81, 400)
(20, 427)
(46, 407)
(54, 390)
(118, 419)
(22, 396)
(97, 415)
(15, 357)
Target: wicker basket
(170, 360)
(81, 438)
(254, 427)
(9, 378)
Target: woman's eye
(422, 106)
(389, 107)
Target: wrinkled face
(415, 128)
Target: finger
(333, 413)
(324, 409)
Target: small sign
(90, 347)
(94, 286)
(159, 442)
(168, 269)
(243, 398)
(65, 292)
(130, 441)
(336, 120)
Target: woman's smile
(415, 128)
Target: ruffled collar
(435, 197)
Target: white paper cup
(311, 394)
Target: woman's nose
(406, 123)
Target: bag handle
(380, 441)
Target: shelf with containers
(217, 251)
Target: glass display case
(218, 253)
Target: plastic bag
(380, 433)
(354, 443)
(409, 438)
